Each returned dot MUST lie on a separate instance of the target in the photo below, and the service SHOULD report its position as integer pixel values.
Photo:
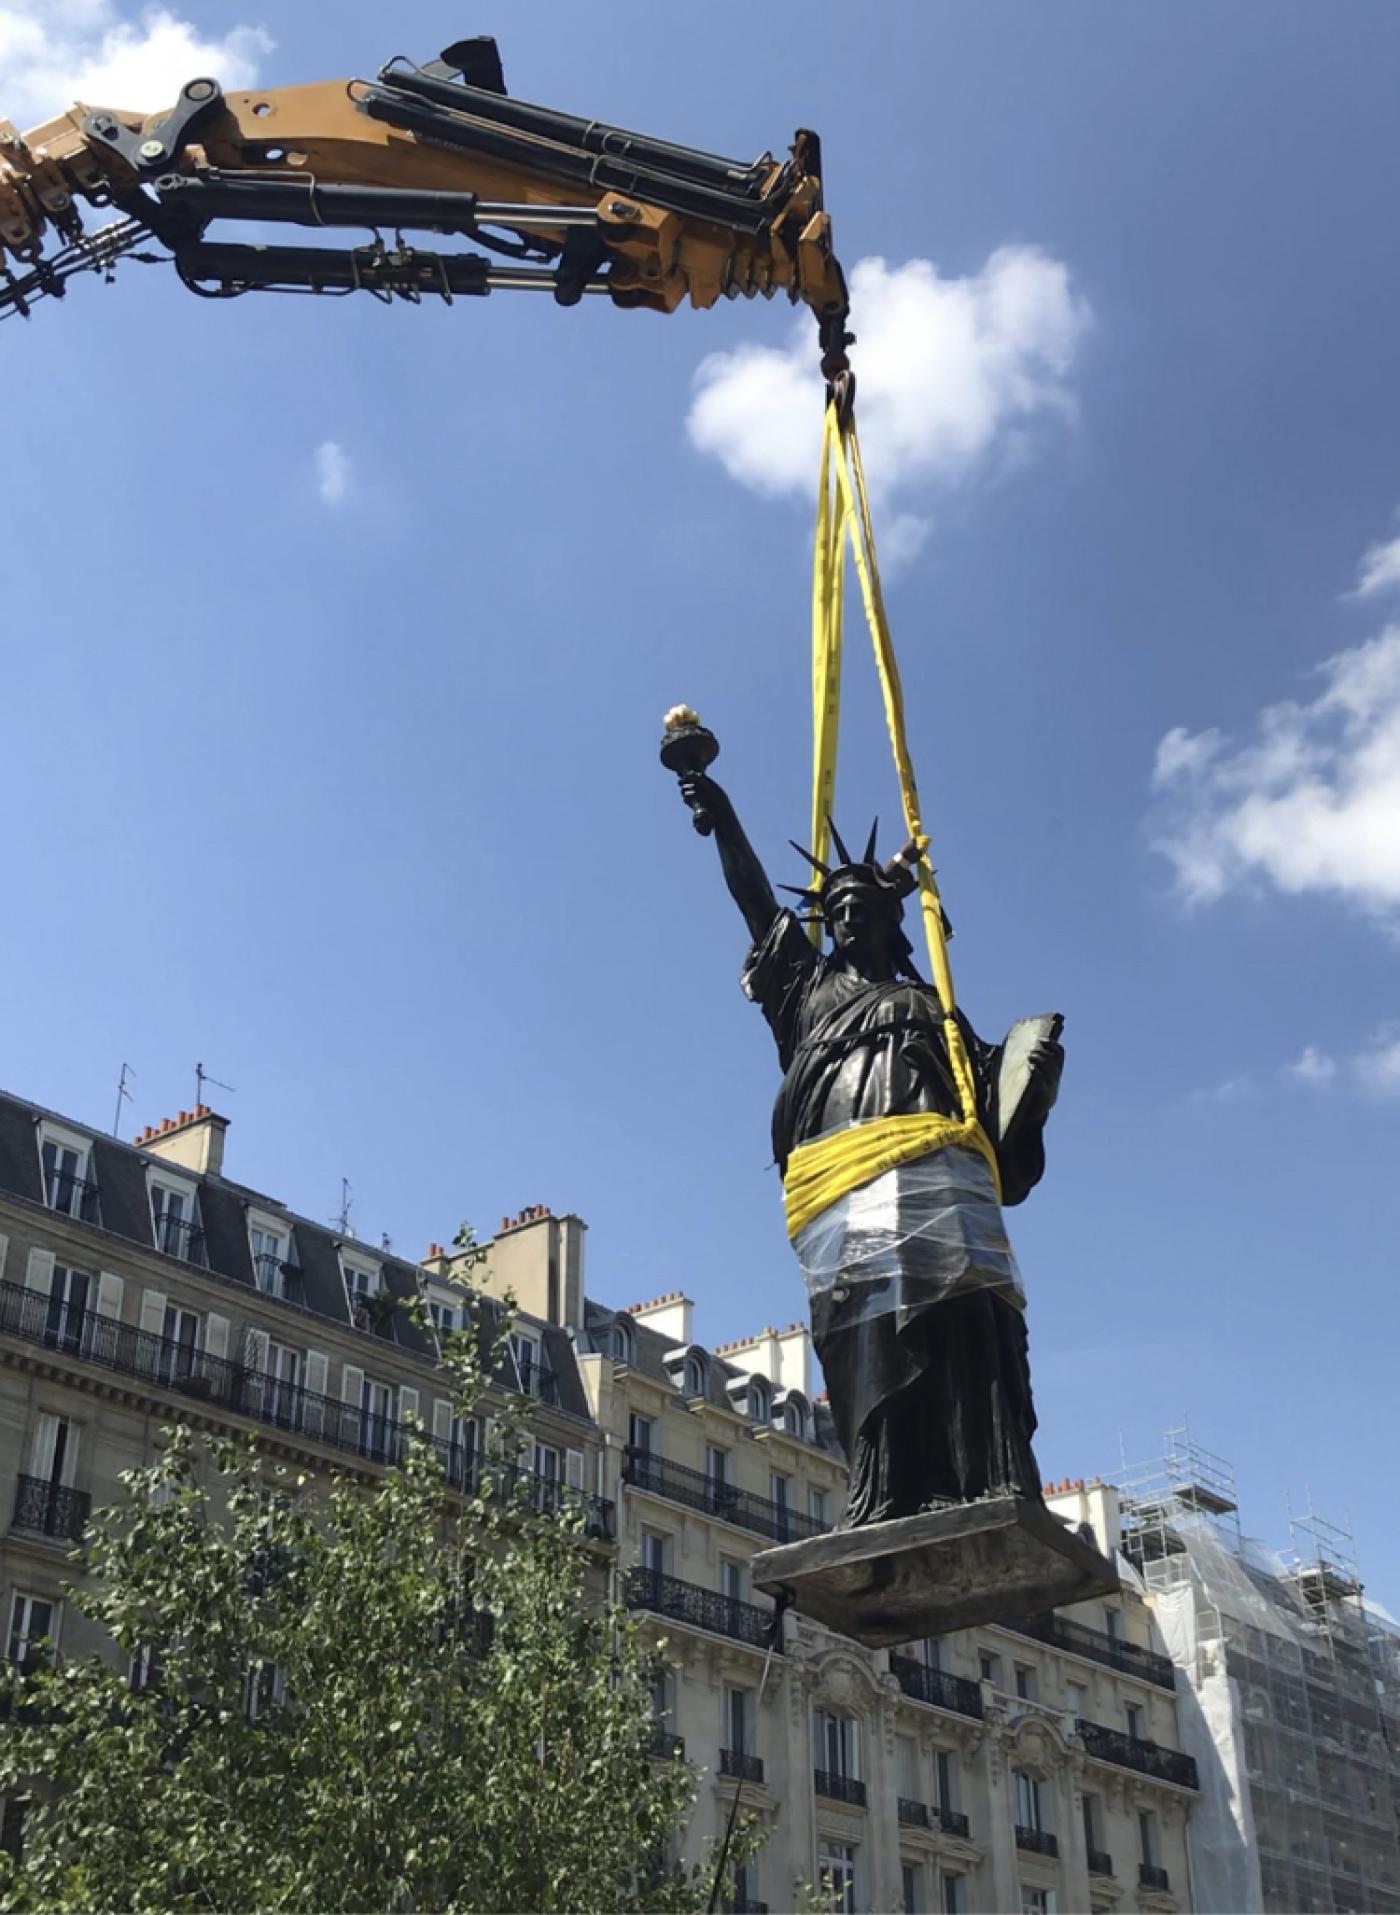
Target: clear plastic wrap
(912, 1236)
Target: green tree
(358, 1697)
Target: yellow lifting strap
(820, 1172)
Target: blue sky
(336, 770)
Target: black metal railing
(1150, 1876)
(1077, 1637)
(1100, 1862)
(839, 1788)
(244, 1391)
(1130, 1752)
(182, 1238)
(953, 1822)
(936, 1686)
(747, 1768)
(74, 1197)
(535, 1379)
(50, 1509)
(665, 1743)
(276, 1277)
(702, 1608)
(1038, 1841)
(913, 1815)
(643, 1469)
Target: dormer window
(793, 1414)
(622, 1340)
(174, 1215)
(363, 1288)
(68, 1185)
(688, 1367)
(760, 1399)
(271, 1262)
(693, 1374)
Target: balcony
(744, 1768)
(664, 1743)
(1100, 1863)
(913, 1815)
(936, 1686)
(839, 1788)
(219, 1381)
(50, 1509)
(953, 1822)
(73, 1197)
(1128, 1752)
(701, 1608)
(176, 1237)
(1150, 1876)
(1037, 1841)
(1112, 1651)
(692, 1488)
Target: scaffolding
(1296, 1685)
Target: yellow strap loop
(829, 1167)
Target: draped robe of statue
(917, 1306)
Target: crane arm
(561, 203)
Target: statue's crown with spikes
(894, 879)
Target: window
(737, 1713)
(819, 1507)
(912, 1888)
(145, 1667)
(1113, 1623)
(780, 1495)
(180, 1344)
(623, 1340)
(1147, 1838)
(906, 1754)
(837, 1740)
(990, 1667)
(1037, 1901)
(760, 1399)
(65, 1319)
(731, 1579)
(443, 1317)
(281, 1392)
(173, 1215)
(717, 1479)
(1028, 1802)
(641, 1433)
(656, 1551)
(269, 1249)
(953, 1903)
(1093, 1822)
(526, 1351)
(549, 1476)
(265, 1690)
(43, 1504)
(1077, 1700)
(65, 1188)
(33, 1620)
(793, 1421)
(693, 1375)
(836, 1867)
(1133, 1720)
(376, 1418)
(743, 1881)
(947, 1765)
(360, 1287)
(1025, 1682)
(930, 1654)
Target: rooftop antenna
(346, 1202)
(201, 1078)
(123, 1096)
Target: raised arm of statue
(745, 876)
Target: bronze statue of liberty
(916, 1300)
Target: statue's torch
(689, 748)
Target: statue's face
(860, 928)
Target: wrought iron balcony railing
(51, 1509)
(913, 1815)
(936, 1686)
(1038, 1841)
(1150, 1876)
(643, 1469)
(665, 1743)
(276, 1277)
(1129, 1752)
(73, 1197)
(237, 1387)
(1113, 1651)
(953, 1822)
(179, 1237)
(702, 1608)
(747, 1768)
(1100, 1862)
(839, 1788)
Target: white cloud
(952, 374)
(1377, 1067)
(334, 473)
(1314, 1067)
(1310, 804)
(1379, 569)
(53, 52)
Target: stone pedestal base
(993, 1561)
